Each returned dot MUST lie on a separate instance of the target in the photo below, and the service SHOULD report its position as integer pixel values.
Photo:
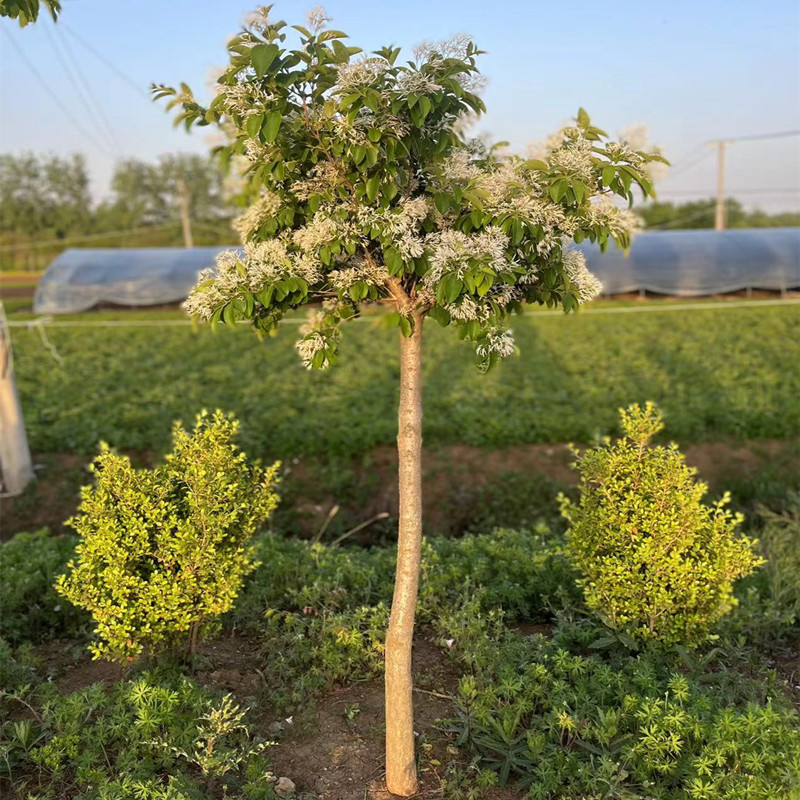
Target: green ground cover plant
(716, 373)
(574, 726)
(154, 737)
(30, 611)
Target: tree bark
(401, 771)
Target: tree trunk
(401, 771)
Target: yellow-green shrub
(657, 563)
(164, 551)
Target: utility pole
(186, 222)
(719, 216)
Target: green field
(718, 373)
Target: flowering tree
(365, 190)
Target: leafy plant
(657, 564)
(572, 726)
(768, 613)
(153, 737)
(30, 609)
(164, 551)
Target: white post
(186, 220)
(16, 466)
(719, 216)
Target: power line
(110, 64)
(53, 96)
(754, 137)
(687, 165)
(705, 192)
(82, 78)
(83, 96)
(679, 221)
(174, 323)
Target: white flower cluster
(507, 183)
(203, 301)
(319, 333)
(309, 346)
(497, 342)
(255, 151)
(359, 74)
(244, 98)
(637, 137)
(266, 207)
(575, 158)
(400, 223)
(428, 52)
(321, 230)
(413, 82)
(324, 176)
(435, 53)
(359, 271)
(584, 282)
(480, 309)
(258, 19)
(619, 221)
(251, 269)
(317, 17)
(468, 309)
(459, 167)
(451, 251)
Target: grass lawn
(717, 373)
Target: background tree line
(46, 205)
(700, 214)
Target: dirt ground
(446, 470)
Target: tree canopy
(363, 187)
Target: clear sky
(693, 71)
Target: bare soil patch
(451, 477)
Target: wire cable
(110, 64)
(98, 107)
(54, 97)
(173, 323)
(90, 113)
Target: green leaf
(442, 202)
(373, 184)
(405, 326)
(451, 287)
(393, 261)
(424, 106)
(535, 163)
(608, 175)
(253, 125)
(229, 314)
(441, 315)
(262, 56)
(272, 122)
(374, 134)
